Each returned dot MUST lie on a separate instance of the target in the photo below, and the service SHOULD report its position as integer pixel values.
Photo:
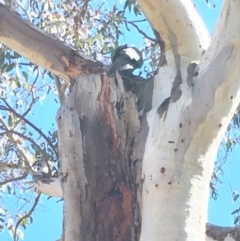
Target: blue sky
(47, 222)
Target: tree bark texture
(128, 176)
(43, 50)
(101, 140)
(190, 113)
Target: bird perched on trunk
(45, 180)
(125, 60)
(47, 184)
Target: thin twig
(141, 32)
(28, 110)
(24, 10)
(10, 132)
(32, 125)
(43, 153)
(27, 215)
(24, 137)
(22, 154)
(61, 88)
(14, 179)
(138, 21)
(35, 80)
(84, 8)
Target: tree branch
(27, 215)
(26, 138)
(22, 153)
(43, 50)
(9, 108)
(24, 10)
(179, 26)
(140, 31)
(14, 179)
(34, 100)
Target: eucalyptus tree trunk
(101, 140)
(128, 175)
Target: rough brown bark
(101, 135)
(222, 233)
(102, 140)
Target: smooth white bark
(182, 144)
(179, 25)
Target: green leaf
(228, 144)
(16, 55)
(9, 189)
(236, 220)
(10, 227)
(10, 120)
(2, 58)
(25, 75)
(24, 226)
(10, 67)
(235, 197)
(17, 82)
(8, 56)
(137, 10)
(3, 67)
(235, 211)
(126, 4)
(1, 228)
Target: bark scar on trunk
(107, 109)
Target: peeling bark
(179, 26)
(107, 131)
(183, 141)
(131, 177)
(43, 50)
